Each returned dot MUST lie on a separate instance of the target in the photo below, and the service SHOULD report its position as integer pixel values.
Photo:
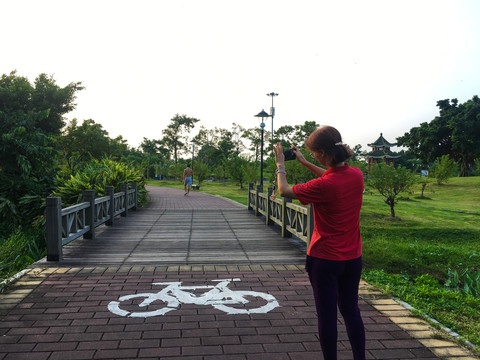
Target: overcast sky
(364, 66)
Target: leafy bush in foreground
(464, 282)
(20, 249)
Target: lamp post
(272, 109)
(262, 114)
(193, 154)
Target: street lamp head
(262, 114)
(272, 94)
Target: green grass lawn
(410, 256)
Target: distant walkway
(188, 243)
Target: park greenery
(412, 246)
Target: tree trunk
(391, 202)
(463, 168)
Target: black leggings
(336, 282)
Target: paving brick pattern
(60, 311)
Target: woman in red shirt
(334, 257)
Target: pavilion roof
(381, 142)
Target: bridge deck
(177, 229)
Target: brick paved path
(62, 312)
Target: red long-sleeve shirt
(337, 199)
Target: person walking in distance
(187, 179)
(334, 257)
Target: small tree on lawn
(250, 172)
(390, 182)
(201, 171)
(424, 182)
(443, 169)
(236, 169)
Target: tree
(254, 136)
(443, 169)
(48, 95)
(237, 170)
(390, 182)
(219, 173)
(206, 137)
(465, 124)
(173, 136)
(424, 181)
(455, 132)
(30, 116)
(209, 155)
(285, 134)
(237, 131)
(408, 160)
(175, 171)
(226, 145)
(201, 171)
(80, 144)
(302, 132)
(150, 147)
(358, 154)
(17, 94)
(27, 167)
(155, 149)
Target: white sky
(365, 67)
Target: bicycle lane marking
(173, 294)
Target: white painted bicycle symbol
(219, 296)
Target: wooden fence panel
(65, 225)
(294, 219)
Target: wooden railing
(293, 219)
(65, 225)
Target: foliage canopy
(455, 132)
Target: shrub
(97, 175)
(443, 169)
(22, 248)
(464, 282)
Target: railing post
(135, 186)
(250, 188)
(257, 199)
(267, 220)
(124, 189)
(285, 233)
(54, 228)
(89, 196)
(110, 191)
(310, 224)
